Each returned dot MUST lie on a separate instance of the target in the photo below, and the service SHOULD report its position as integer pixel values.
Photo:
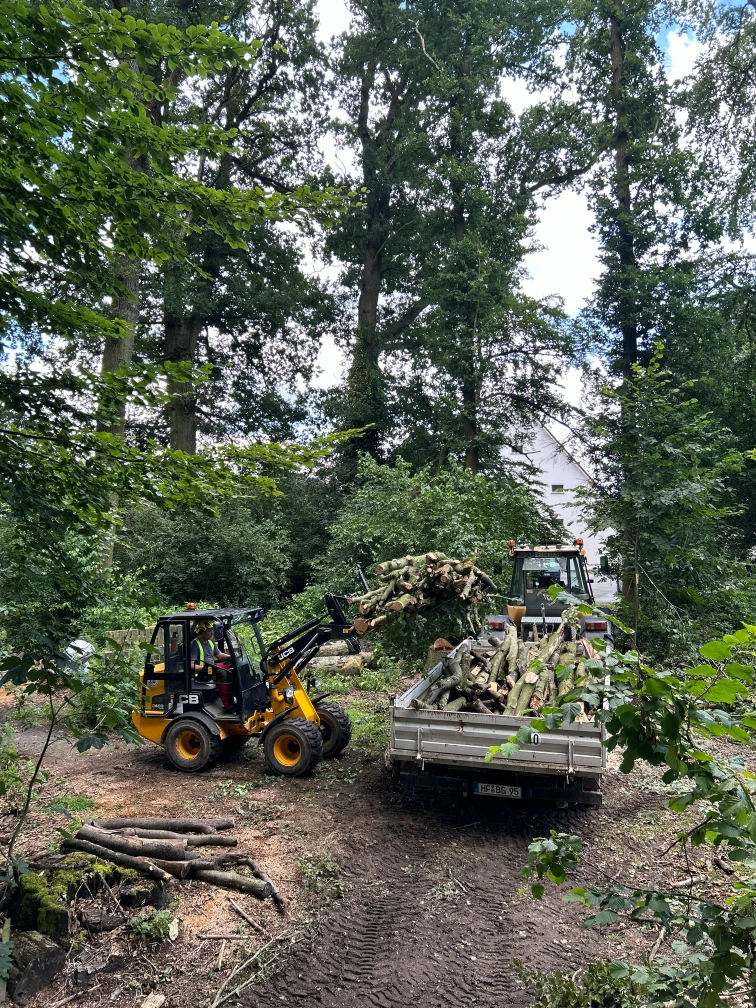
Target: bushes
(238, 557)
(392, 511)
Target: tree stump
(36, 962)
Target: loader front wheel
(335, 727)
(190, 746)
(293, 747)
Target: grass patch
(370, 723)
(66, 804)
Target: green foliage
(65, 186)
(6, 959)
(238, 556)
(664, 463)
(71, 803)
(15, 772)
(369, 724)
(394, 511)
(551, 857)
(150, 926)
(322, 874)
(666, 719)
(600, 985)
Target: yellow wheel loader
(200, 702)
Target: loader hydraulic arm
(294, 650)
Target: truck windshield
(540, 573)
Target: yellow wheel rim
(287, 750)
(188, 745)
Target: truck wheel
(233, 744)
(191, 746)
(335, 727)
(293, 747)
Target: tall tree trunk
(627, 302)
(118, 352)
(365, 390)
(181, 331)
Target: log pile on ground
(410, 583)
(165, 850)
(511, 676)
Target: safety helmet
(204, 625)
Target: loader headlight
(150, 683)
(288, 694)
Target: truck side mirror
(604, 564)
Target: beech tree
(450, 175)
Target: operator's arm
(221, 654)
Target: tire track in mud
(430, 917)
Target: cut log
(36, 963)
(529, 682)
(403, 602)
(169, 850)
(177, 825)
(192, 839)
(97, 919)
(443, 684)
(456, 705)
(179, 869)
(545, 687)
(124, 860)
(231, 880)
(211, 840)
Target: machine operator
(206, 652)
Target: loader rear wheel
(293, 747)
(335, 727)
(191, 746)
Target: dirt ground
(394, 897)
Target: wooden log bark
(545, 687)
(179, 869)
(124, 860)
(401, 603)
(157, 822)
(456, 705)
(192, 839)
(169, 850)
(231, 880)
(514, 696)
(471, 579)
(441, 685)
(529, 681)
(523, 657)
(36, 963)
(477, 707)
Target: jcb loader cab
(181, 709)
(535, 569)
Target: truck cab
(535, 569)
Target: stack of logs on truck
(455, 728)
(511, 676)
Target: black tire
(335, 727)
(233, 744)
(293, 747)
(191, 746)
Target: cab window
(175, 647)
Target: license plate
(499, 790)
